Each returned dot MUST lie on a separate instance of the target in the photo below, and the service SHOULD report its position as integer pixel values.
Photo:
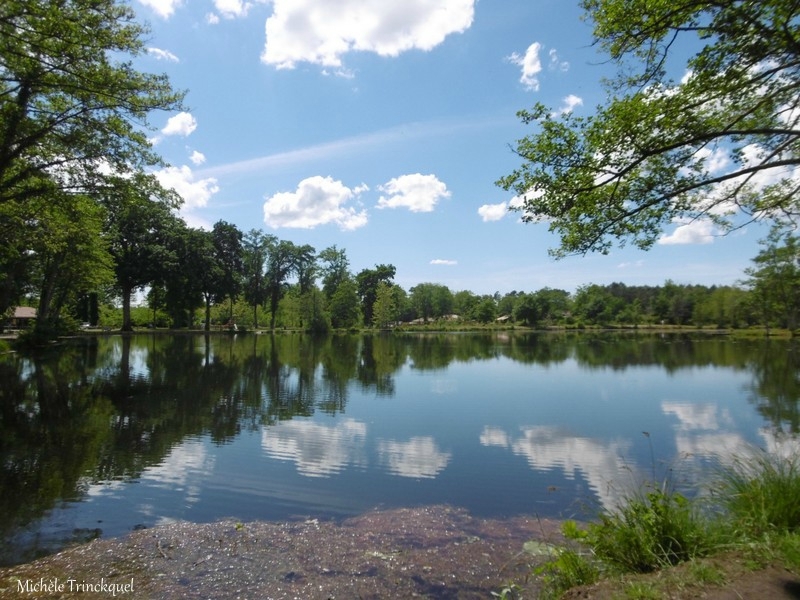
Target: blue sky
(382, 126)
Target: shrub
(651, 530)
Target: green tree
(368, 281)
(185, 278)
(256, 245)
(73, 115)
(71, 255)
(384, 311)
(229, 253)
(660, 150)
(486, 310)
(464, 303)
(282, 262)
(137, 228)
(335, 269)
(775, 279)
(71, 103)
(431, 300)
(343, 306)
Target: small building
(22, 317)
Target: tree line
(226, 278)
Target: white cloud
(715, 160)
(160, 54)
(181, 124)
(416, 192)
(570, 102)
(628, 265)
(232, 9)
(493, 212)
(697, 231)
(321, 31)
(195, 193)
(444, 261)
(197, 158)
(163, 8)
(419, 457)
(212, 18)
(557, 64)
(317, 201)
(531, 66)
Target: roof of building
(24, 312)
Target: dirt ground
(434, 552)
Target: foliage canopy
(723, 140)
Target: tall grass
(761, 493)
(650, 531)
(755, 503)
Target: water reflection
(136, 429)
(419, 457)
(317, 450)
(601, 463)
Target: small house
(22, 317)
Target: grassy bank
(658, 539)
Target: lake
(105, 434)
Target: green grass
(762, 494)
(754, 511)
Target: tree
(70, 108)
(721, 141)
(190, 279)
(137, 228)
(431, 300)
(775, 279)
(256, 245)
(368, 281)
(70, 256)
(228, 251)
(280, 264)
(384, 311)
(486, 310)
(343, 305)
(335, 269)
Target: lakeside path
(431, 552)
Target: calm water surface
(106, 434)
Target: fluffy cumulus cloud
(181, 124)
(416, 192)
(569, 103)
(697, 231)
(195, 192)
(163, 8)
(197, 158)
(321, 31)
(160, 54)
(530, 64)
(316, 201)
(495, 212)
(232, 9)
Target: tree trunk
(127, 292)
